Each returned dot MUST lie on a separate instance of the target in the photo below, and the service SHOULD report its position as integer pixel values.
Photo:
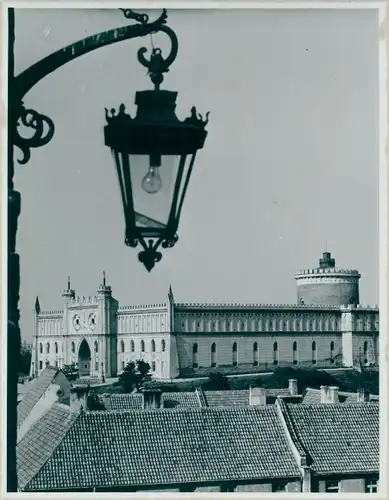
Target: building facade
(327, 327)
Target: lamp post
(155, 134)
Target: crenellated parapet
(123, 309)
(238, 306)
(84, 300)
(50, 313)
(330, 271)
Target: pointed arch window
(132, 346)
(255, 354)
(314, 353)
(295, 353)
(122, 347)
(213, 354)
(195, 355)
(48, 347)
(56, 347)
(73, 347)
(152, 346)
(163, 345)
(40, 348)
(142, 346)
(275, 353)
(234, 354)
(332, 349)
(96, 346)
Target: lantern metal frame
(155, 131)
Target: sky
(289, 167)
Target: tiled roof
(135, 401)
(106, 449)
(240, 397)
(182, 399)
(340, 438)
(35, 392)
(123, 401)
(227, 398)
(313, 396)
(36, 447)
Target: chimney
(293, 389)
(362, 396)
(79, 398)
(329, 394)
(257, 396)
(152, 399)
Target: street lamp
(154, 134)
(154, 154)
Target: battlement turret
(68, 294)
(328, 284)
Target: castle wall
(331, 292)
(263, 357)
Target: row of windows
(298, 324)
(195, 353)
(122, 347)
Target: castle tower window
(122, 346)
(153, 346)
(213, 354)
(314, 353)
(142, 346)
(275, 353)
(96, 346)
(132, 346)
(163, 345)
(123, 365)
(40, 365)
(332, 348)
(48, 348)
(73, 347)
(255, 354)
(234, 354)
(195, 356)
(295, 353)
(56, 347)
(365, 360)
(40, 348)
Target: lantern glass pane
(184, 176)
(153, 187)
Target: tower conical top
(37, 305)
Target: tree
(94, 403)
(24, 360)
(216, 382)
(70, 371)
(135, 375)
(306, 377)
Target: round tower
(328, 284)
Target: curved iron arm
(32, 75)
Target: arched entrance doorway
(84, 359)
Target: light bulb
(152, 181)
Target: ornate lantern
(154, 154)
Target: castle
(327, 327)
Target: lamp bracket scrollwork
(157, 65)
(42, 127)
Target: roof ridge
(305, 456)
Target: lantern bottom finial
(149, 257)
